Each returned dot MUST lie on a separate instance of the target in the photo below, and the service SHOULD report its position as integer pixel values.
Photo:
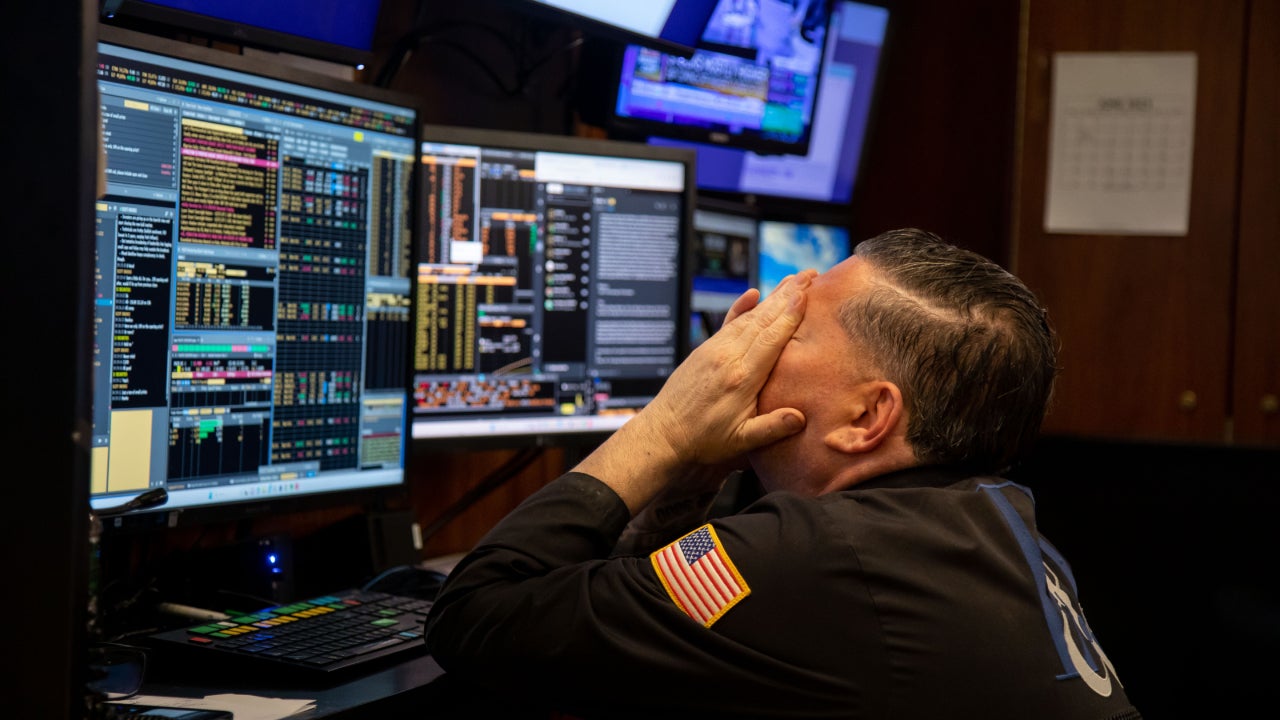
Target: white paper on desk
(1120, 143)
(242, 707)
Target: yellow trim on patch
(724, 558)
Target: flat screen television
(788, 246)
(253, 253)
(339, 31)
(828, 172)
(752, 83)
(551, 294)
(724, 263)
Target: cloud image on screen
(787, 248)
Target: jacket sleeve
(544, 607)
(498, 601)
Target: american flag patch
(699, 576)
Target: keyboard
(325, 639)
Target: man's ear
(874, 413)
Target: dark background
(1172, 543)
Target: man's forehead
(833, 288)
(846, 276)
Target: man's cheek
(771, 396)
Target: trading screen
(252, 272)
(550, 287)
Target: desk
(416, 689)
(389, 692)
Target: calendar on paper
(1120, 143)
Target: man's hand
(707, 408)
(706, 412)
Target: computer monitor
(253, 252)
(751, 84)
(829, 171)
(334, 30)
(551, 294)
(789, 246)
(724, 265)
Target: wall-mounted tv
(829, 171)
(752, 83)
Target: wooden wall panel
(1257, 341)
(939, 153)
(1143, 320)
(439, 480)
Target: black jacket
(920, 594)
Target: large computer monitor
(252, 295)
(551, 295)
(829, 171)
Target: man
(888, 571)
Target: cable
(465, 50)
(415, 38)
(441, 34)
(373, 581)
(493, 481)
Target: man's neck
(886, 459)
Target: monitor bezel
(152, 17)
(580, 144)
(372, 496)
(835, 214)
(284, 72)
(602, 28)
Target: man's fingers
(751, 299)
(745, 302)
(774, 321)
(770, 428)
(706, 412)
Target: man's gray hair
(966, 342)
